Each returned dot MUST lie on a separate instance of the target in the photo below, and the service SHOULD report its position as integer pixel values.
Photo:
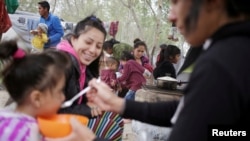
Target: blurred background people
(40, 38)
(168, 56)
(55, 29)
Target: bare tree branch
(77, 10)
(54, 6)
(126, 5)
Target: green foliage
(119, 48)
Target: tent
(23, 22)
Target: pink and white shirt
(16, 126)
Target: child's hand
(119, 88)
(147, 73)
(34, 32)
(113, 83)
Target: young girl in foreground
(35, 82)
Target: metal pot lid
(167, 78)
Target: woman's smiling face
(88, 45)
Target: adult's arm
(153, 113)
(211, 99)
(57, 30)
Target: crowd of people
(217, 95)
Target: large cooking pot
(167, 82)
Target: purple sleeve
(144, 60)
(13, 129)
(125, 73)
(146, 64)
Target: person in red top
(132, 76)
(108, 73)
(138, 52)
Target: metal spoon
(70, 102)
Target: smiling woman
(85, 46)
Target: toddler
(35, 82)
(108, 73)
(40, 38)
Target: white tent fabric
(23, 22)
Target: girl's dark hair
(171, 51)
(107, 45)
(236, 7)
(167, 52)
(110, 43)
(162, 46)
(82, 27)
(127, 56)
(233, 8)
(112, 60)
(31, 72)
(161, 54)
(138, 42)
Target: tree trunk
(157, 27)
(54, 7)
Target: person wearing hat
(40, 38)
(55, 29)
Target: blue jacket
(55, 30)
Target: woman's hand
(101, 95)
(79, 133)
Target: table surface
(155, 89)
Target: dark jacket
(165, 68)
(192, 55)
(72, 87)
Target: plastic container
(58, 125)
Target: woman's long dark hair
(233, 8)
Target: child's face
(114, 66)
(123, 62)
(39, 30)
(109, 51)
(175, 59)
(52, 99)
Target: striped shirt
(16, 126)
